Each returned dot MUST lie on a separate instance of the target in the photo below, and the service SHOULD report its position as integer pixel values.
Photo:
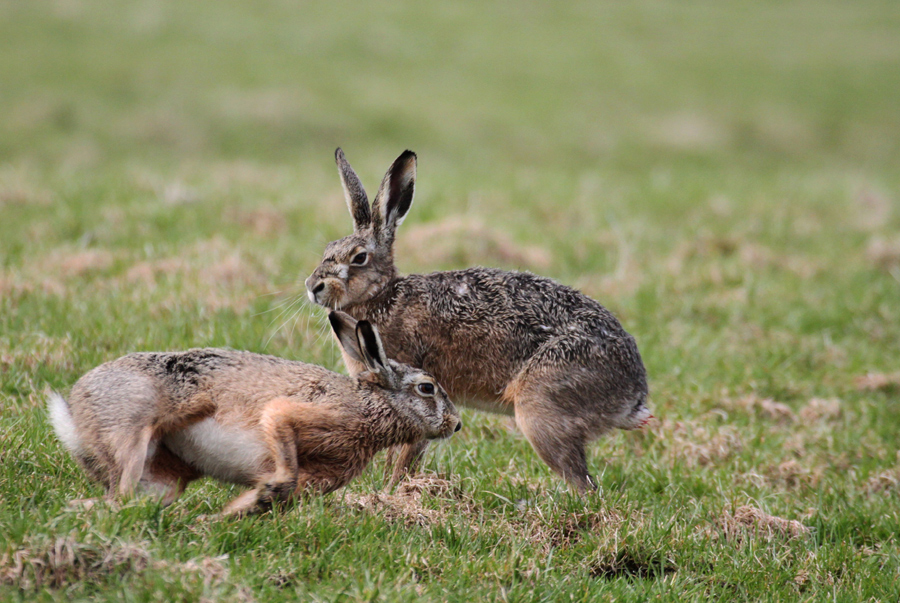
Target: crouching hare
(508, 342)
(156, 421)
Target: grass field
(724, 176)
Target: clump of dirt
(624, 563)
(406, 503)
(747, 522)
(878, 382)
(465, 242)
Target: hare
(156, 421)
(500, 341)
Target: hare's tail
(63, 424)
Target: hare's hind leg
(130, 448)
(559, 443)
(166, 475)
(558, 398)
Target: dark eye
(360, 259)
(426, 389)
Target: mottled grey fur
(501, 341)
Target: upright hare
(508, 342)
(157, 421)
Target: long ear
(395, 196)
(354, 193)
(371, 348)
(344, 328)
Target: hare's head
(411, 392)
(356, 268)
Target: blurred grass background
(722, 175)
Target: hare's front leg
(404, 460)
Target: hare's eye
(426, 389)
(360, 259)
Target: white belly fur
(225, 453)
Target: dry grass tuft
(878, 382)
(791, 474)
(36, 351)
(406, 504)
(465, 242)
(746, 522)
(818, 409)
(74, 264)
(766, 407)
(66, 561)
(691, 444)
(562, 532)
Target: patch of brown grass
(878, 382)
(791, 474)
(692, 444)
(821, 409)
(562, 532)
(884, 253)
(466, 242)
(263, 221)
(68, 263)
(66, 561)
(764, 407)
(873, 208)
(37, 351)
(405, 504)
(750, 522)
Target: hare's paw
(273, 491)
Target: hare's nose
(318, 288)
(458, 426)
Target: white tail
(63, 425)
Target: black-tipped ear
(370, 345)
(395, 196)
(354, 193)
(344, 327)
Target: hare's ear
(395, 196)
(354, 193)
(344, 328)
(371, 347)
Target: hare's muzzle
(458, 426)
(323, 291)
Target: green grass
(724, 176)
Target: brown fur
(157, 421)
(500, 341)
